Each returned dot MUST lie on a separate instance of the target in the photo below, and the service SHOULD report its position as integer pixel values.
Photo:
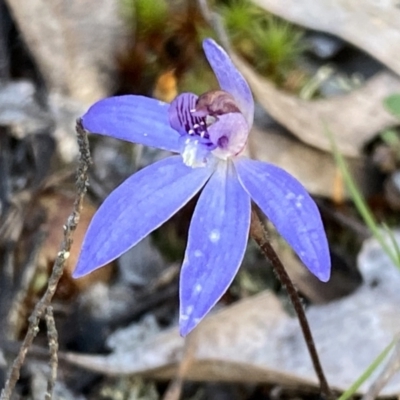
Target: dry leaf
(305, 162)
(58, 205)
(368, 24)
(73, 43)
(256, 341)
(353, 119)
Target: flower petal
(180, 117)
(137, 207)
(217, 241)
(229, 78)
(292, 211)
(137, 119)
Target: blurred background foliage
(166, 46)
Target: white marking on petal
(198, 288)
(190, 155)
(214, 235)
(198, 253)
(195, 154)
(189, 310)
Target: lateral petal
(137, 207)
(217, 241)
(291, 209)
(136, 119)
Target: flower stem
(259, 234)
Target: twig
(58, 267)
(52, 337)
(17, 312)
(174, 389)
(259, 234)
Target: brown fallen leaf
(370, 25)
(57, 206)
(353, 119)
(73, 43)
(255, 340)
(314, 168)
(44, 218)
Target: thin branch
(17, 311)
(174, 390)
(52, 337)
(259, 234)
(58, 267)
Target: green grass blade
(367, 373)
(392, 240)
(360, 202)
(392, 104)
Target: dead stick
(58, 267)
(52, 337)
(174, 390)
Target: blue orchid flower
(210, 133)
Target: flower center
(210, 125)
